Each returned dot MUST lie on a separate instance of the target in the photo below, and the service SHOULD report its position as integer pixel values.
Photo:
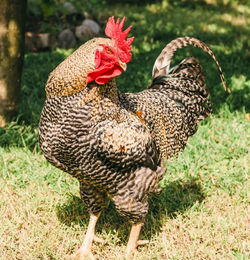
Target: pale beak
(123, 65)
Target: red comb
(114, 31)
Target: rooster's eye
(109, 51)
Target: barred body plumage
(111, 154)
(115, 143)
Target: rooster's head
(111, 60)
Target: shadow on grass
(176, 198)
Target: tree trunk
(12, 22)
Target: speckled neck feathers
(70, 76)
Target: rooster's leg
(85, 250)
(133, 241)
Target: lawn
(203, 211)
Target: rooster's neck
(97, 93)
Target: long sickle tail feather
(162, 62)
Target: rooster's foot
(84, 253)
(133, 241)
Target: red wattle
(104, 73)
(103, 78)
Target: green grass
(202, 212)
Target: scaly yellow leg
(85, 250)
(133, 241)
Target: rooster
(115, 143)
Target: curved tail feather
(162, 63)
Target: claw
(84, 253)
(98, 239)
(142, 242)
